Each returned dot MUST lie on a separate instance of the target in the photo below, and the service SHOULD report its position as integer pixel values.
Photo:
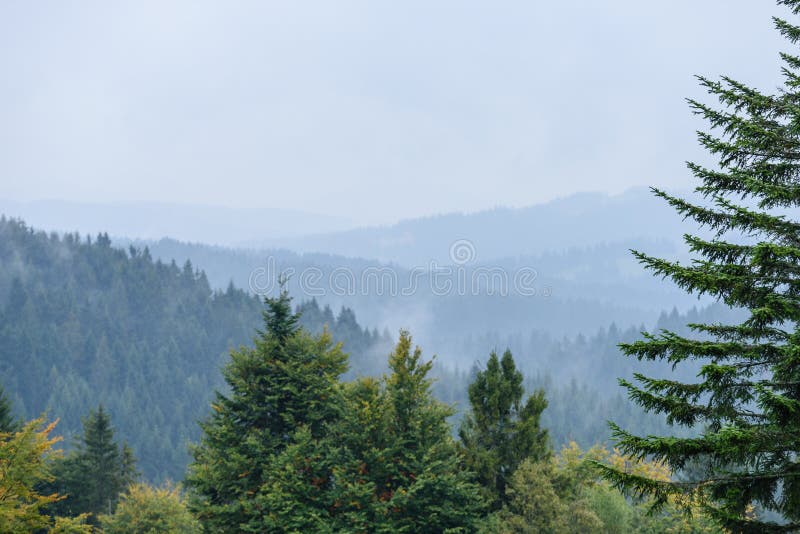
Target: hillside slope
(83, 323)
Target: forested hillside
(577, 290)
(83, 323)
(269, 270)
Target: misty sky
(369, 110)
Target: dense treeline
(579, 406)
(98, 299)
(576, 289)
(292, 447)
(83, 323)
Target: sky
(371, 111)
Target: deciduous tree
(24, 464)
(143, 508)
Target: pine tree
(287, 384)
(95, 474)
(501, 431)
(747, 395)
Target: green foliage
(746, 395)
(145, 509)
(72, 525)
(92, 476)
(567, 495)
(500, 431)
(398, 469)
(84, 323)
(287, 382)
(533, 505)
(7, 422)
(24, 464)
(293, 449)
(288, 446)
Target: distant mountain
(580, 220)
(577, 221)
(576, 290)
(577, 249)
(84, 322)
(147, 220)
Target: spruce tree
(95, 474)
(397, 468)
(284, 387)
(501, 431)
(388, 464)
(746, 398)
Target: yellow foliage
(144, 508)
(575, 464)
(71, 525)
(572, 457)
(24, 463)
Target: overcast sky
(369, 110)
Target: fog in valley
(477, 175)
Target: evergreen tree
(388, 464)
(398, 469)
(501, 431)
(287, 384)
(747, 393)
(87, 323)
(7, 422)
(95, 474)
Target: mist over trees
(167, 386)
(83, 324)
(576, 408)
(172, 332)
(579, 285)
(88, 324)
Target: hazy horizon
(265, 228)
(361, 111)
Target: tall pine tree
(746, 398)
(501, 431)
(284, 387)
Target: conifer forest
(366, 267)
